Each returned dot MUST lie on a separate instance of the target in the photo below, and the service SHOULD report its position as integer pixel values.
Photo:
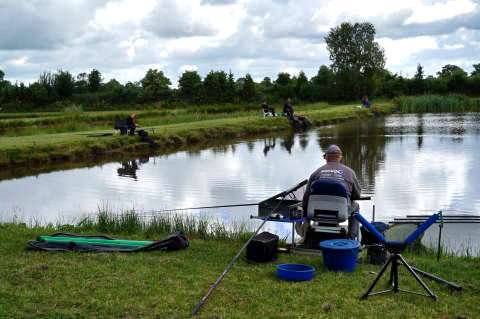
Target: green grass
(437, 103)
(168, 284)
(132, 222)
(45, 148)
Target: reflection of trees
(128, 169)
(288, 141)
(194, 153)
(268, 144)
(363, 145)
(458, 128)
(143, 160)
(303, 139)
(420, 131)
(250, 146)
(220, 149)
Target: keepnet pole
(202, 207)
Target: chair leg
(414, 274)
(377, 278)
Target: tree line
(357, 69)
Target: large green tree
(356, 57)
(94, 80)
(322, 84)
(64, 84)
(190, 86)
(284, 86)
(476, 69)
(249, 92)
(455, 76)
(418, 85)
(302, 87)
(215, 87)
(231, 92)
(155, 85)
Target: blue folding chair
(396, 248)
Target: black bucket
(263, 248)
(377, 254)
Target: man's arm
(356, 190)
(306, 195)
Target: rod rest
(397, 246)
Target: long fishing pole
(202, 207)
(232, 262)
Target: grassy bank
(44, 148)
(167, 285)
(437, 103)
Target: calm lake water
(410, 164)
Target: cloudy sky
(123, 38)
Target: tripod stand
(396, 259)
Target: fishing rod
(232, 262)
(202, 207)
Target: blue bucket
(340, 254)
(295, 272)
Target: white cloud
(187, 67)
(291, 70)
(116, 13)
(19, 61)
(439, 11)
(131, 45)
(398, 52)
(262, 37)
(453, 46)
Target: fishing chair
(327, 208)
(395, 248)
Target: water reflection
(420, 130)
(410, 164)
(268, 144)
(287, 142)
(363, 144)
(128, 169)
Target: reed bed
(437, 104)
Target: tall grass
(73, 109)
(437, 103)
(132, 222)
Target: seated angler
(131, 123)
(267, 110)
(335, 171)
(365, 102)
(288, 108)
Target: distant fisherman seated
(131, 123)
(335, 171)
(288, 108)
(267, 109)
(365, 102)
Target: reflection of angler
(288, 143)
(268, 145)
(128, 169)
